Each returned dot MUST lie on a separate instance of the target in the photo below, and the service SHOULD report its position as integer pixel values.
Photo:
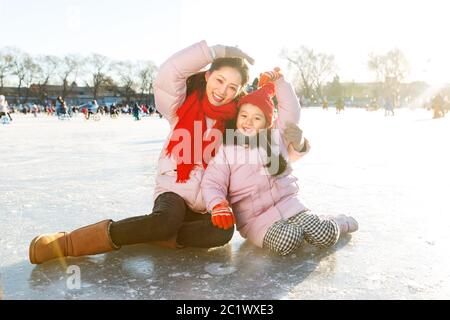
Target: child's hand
(293, 134)
(222, 216)
(269, 76)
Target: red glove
(222, 216)
(269, 76)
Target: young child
(250, 181)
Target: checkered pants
(285, 236)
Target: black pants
(171, 216)
(5, 114)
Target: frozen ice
(391, 173)
(180, 274)
(218, 269)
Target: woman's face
(250, 119)
(223, 85)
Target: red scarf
(195, 109)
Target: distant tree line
(129, 79)
(316, 76)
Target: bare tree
(392, 64)
(146, 74)
(324, 67)
(127, 78)
(32, 71)
(47, 67)
(335, 89)
(19, 68)
(6, 60)
(67, 71)
(391, 69)
(35, 74)
(98, 66)
(111, 85)
(313, 69)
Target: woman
(192, 102)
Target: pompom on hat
(262, 98)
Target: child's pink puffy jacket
(258, 199)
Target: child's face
(250, 120)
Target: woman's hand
(222, 51)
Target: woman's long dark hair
(198, 81)
(262, 140)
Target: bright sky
(151, 29)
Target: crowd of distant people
(439, 106)
(61, 109)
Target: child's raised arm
(288, 114)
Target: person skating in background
(145, 109)
(249, 182)
(137, 111)
(91, 109)
(437, 106)
(60, 106)
(4, 109)
(389, 107)
(325, 104)
(34, 110)
(340, 105)
(113, 111)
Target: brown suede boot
(87, 240)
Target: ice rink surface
(391, 173)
